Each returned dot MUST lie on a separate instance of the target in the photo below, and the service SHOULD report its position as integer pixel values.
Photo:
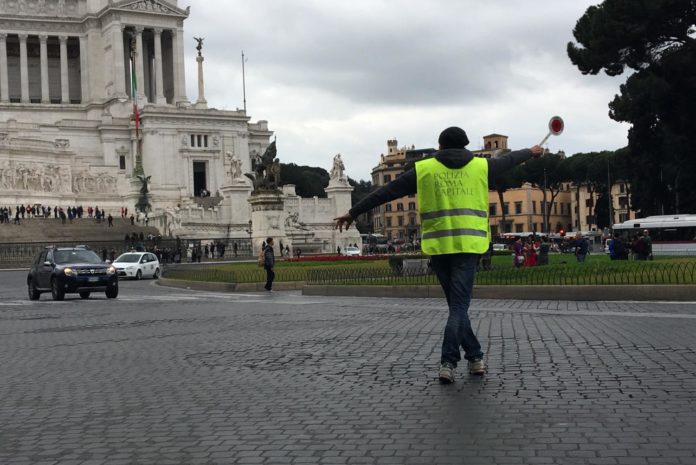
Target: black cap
(453, 138)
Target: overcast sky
(343, 77)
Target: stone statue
(266, 175)
(143, 204)
(338, 167)
(199, 47)
(235, 166)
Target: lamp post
(251, 244)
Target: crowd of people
(65, 214)
(639, 247)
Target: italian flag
(134, 96)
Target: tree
(309, 181)
(510, 179)
(656, 40)
(548, 172)
(361, 189)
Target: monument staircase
(81, 230)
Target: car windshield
(76, 256)
(352, 249)
(128, 258)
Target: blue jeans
(456, 274)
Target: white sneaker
(477, 367)
(446, 373)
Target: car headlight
(68, 271)
(111, 270)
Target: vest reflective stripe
(454, 212)
(455, 232)
(453, 205)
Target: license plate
(93, 279)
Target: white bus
(670, 234)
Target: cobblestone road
(164, 376)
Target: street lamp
(251, 245)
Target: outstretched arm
(405, 184)
(508, 161)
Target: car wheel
(33, 293)
(112, 292)
(139, 275)
(156, 275)
(84, 295)
(57, 292)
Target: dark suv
(61, 270)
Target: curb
(228, 287)
(645, 293)
(674, 293)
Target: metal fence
(21, 254)
(206, 272)
(635, 273)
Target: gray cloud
(335, 76)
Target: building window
(412, 196)
(518, 208)
(555, 208)
(494, 231)
(589, 203)
(389, 222)
(122, 162)
(519, 227)
(533, 206)
(492, 209)
(622, 188)
(412, 221)
(589, 190)
(400, 220)
(387, 178)
(412, 205)
(199, 141)
(623, 202)
(388, 207)
(399, 207)
(589, 219)
(506, 208)
(623, 217)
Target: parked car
(138, 265)
(63, 270)
(351, 251)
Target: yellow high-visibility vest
(453, 205)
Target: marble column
(64, 83)
(159, 77)
(84, 71)
(139, 71)
(201, 103)
(119, 62)
(23, 68)
(4, 84)
(45, 98)
(178, 63)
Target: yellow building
(584, 202)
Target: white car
(351, 251)
(137, 265)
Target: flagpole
(244, 83)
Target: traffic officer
(452, 189)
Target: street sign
(556, 127)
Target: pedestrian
(581, 247)
(518, 253)
(646, 247)
(110, 220)
(338, 250)
(234, 249)
(287, 251)
(132, 220)
(544, 247)
(269, 263)
(452, 193)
